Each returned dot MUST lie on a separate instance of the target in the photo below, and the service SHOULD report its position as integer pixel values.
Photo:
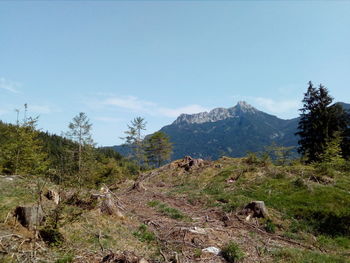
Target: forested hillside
(27, 151)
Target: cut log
(255, 209)
(29, 216)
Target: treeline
(71, 159)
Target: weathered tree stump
(138, 186)
(108, 206)
(29, 216)
(255, 209)
(188, 163)
(53, 196)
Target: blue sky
(116, 60)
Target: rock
(212, 250)
(29, 216)
(255, 209)
(53, 196)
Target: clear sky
(115, 60)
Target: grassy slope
(306, 205)
(303, 204)
(84, 231)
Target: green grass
(12, 194)
(144, 235)
(319, 208)
(303, 256)
(167, 210)
(232, 252)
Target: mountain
(233, 131)
(346, 106)
(228, 131)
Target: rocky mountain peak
(216, 114)
(245, 107)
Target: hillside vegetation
(172, 214)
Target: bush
(232, 252)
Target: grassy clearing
(17, 191)
(303, 201)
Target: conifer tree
(134, 138)
(158, 148)
(80, 132)
(22, 150)
(319, 122)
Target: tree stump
(255, 209)
(188, 163)
(138, 186)
(53, 196)
(29, 216)
(109, 207)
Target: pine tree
(333, 153)
(134, 138)
(319, 121)
(80, 132)
(21, 148)
(158, 148)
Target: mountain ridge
(215, 114)
(230, 131)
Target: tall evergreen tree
(134, 138)
(319, 122)
(158, 148)
(21, 150)
(80, 132)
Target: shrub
(51, 236)
(270, 226)
(232, 252)
(144, 235)
(252, 158)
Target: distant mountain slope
(232, 132)
(346, 106)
